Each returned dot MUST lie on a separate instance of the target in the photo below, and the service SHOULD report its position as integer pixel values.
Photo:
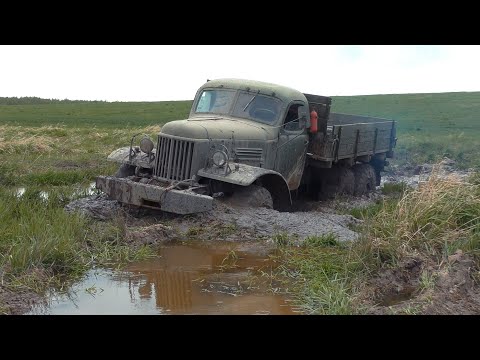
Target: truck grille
(174, 158)
(249, 154)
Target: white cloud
(154, 73)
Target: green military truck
(260, 142)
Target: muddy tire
(125, 170)
(378, 177)
(346, 181)
(365, 179)
(338, 181)
(252, 196)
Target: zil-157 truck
(261, 142)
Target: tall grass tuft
(435, 219)
(39, 241)
(319, 276)
(36, 232)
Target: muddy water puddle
(398, 297)
(91, 189)
(182, 279)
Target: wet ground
(231, 276)
(192, 278)
(80, 191)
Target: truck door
(292, 145)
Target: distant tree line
(28, 100)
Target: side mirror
(304, 120)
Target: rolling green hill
(97, 114)
(434, 113)
(430, 126)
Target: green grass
(100, 115)
(429, 126)
(57, 155)
(434, 220)
(317, 276)
(67, 142)
(60, 145)
(281, 239)
(327, 240)
(441, 113)
(366, 212)
(41, 244)
(394, 188)
(430, 223)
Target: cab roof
(284, 93)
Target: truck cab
(254, 123)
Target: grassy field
(58, 146)
(100, 115)
(430, 126)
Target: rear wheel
(337, 181)
(346, 181)
(365, 179)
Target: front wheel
(125, 170)
(252, 196)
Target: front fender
(141, 159)
(245, 174)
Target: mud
(96, 206)
(262, 222)
(226, 221)
(400, 290)
(415, 175)
(18, 301)
(451, 290)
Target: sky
(175, 72)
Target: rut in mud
(418, 286)
(233, 221)
(247, 222)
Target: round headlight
(219, 158)
(146, 145)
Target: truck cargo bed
(351, 137)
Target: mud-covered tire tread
(365, 179)
(125, 170)
(338, 181)
(346, 181)
(252, 196)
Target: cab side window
(292, 118)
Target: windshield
(257, 107)
(249, 105)
(215, 101)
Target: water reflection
(83, 191)
(181, 280)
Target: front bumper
(130, 192)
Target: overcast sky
(174, 72)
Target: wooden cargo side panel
(372, 138)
